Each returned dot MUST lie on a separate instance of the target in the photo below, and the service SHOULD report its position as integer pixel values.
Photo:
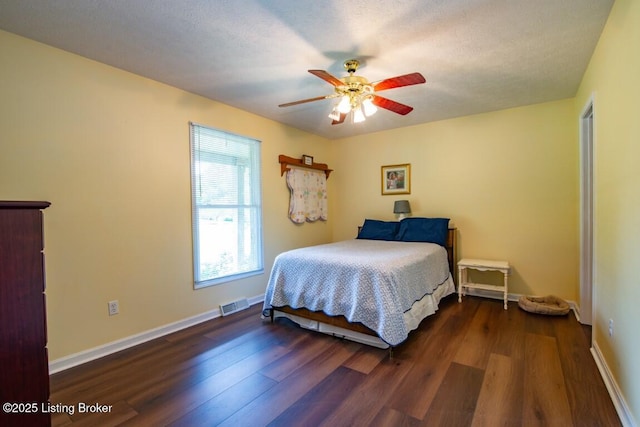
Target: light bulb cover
(369, 108)
(344, 106)
(335, 114)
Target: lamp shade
(401, 207)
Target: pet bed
(549, 305)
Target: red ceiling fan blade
(327, 77)
(399, 81)
(302, 101)
(340, 120)
(390, 105)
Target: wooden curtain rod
(286, 161)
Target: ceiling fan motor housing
(356, 88)
(355, 84)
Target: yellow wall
(507, 179)
(110, 150)
(612, 79)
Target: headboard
(452, 252)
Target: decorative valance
(308, 200)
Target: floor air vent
(234, 306)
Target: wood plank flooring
(471, 364)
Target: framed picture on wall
(396, 179)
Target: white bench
(482, 265)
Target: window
(227, 212)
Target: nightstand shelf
(482, 265)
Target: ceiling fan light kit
(358, 97)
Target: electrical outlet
(610, 327)
(114, 307)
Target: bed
(374, 289)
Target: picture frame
(307, 160)
(396, 179)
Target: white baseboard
(614, 391)
(511, 297)
(76, 359)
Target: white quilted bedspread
(368, 281)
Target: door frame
(587, 193)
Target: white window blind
(227, 211)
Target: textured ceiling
(477, 55)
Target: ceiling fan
(358, 96)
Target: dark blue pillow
(378, 230)
(432, 230)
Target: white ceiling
(477, 55)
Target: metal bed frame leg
(270, 315)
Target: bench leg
(462, 278)
(505, 290)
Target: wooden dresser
(24, 369)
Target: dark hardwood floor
(469, 364)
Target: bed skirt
(421, 309)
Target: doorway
(586, 214)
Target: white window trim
(198, 284)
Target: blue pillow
(432, 230)
(378, 230)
